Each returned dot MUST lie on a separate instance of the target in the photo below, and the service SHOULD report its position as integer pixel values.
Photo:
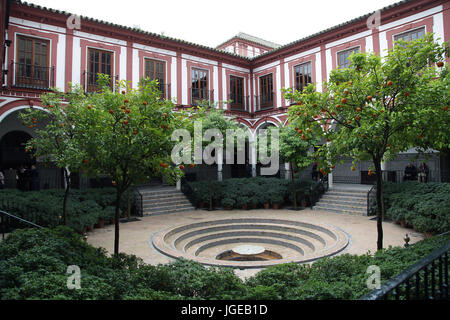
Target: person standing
(423, 172)
(2, 180)
(410, 172)
(34, 176)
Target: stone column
(252, 150)
(287, 171)
(383, 171)
(219, 164)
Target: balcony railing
(165, 90)
(264, 101)
(89, 81)
(238, 103)
(31, 76)
(199, 95)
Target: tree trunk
(380, 205)
(128, 203)
(66, 195)
(293, 185)
(116, 223)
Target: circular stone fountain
(250, 242)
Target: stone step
(167, 206)
(344, 201)
(169, 210)
(341, 210)
(163, 202)
(344, 193)
(342, 205)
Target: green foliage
(424, 206)
(254, 191)
(33, 265)
(44, 207)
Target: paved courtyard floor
(135, 237)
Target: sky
(212, 22)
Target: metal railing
(139, 202)
(31, 76)
(238, 103)
(199, 95)
(264, 101)
(425, 280)
(6, 225)
(89, 81)
(370, 197)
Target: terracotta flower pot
(276, 206)
(254, 206)
(112, 221)
(90, 228)
(396, 222)
(228, 208)
(101, 223)
(244, 207)
(403, 223)
(427, 235)
(266, 205)
(201, 204)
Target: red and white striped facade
(68, 54)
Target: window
(99, 61)
(302, 76)
(343, 61)
(266, 91)
(411, 35)
(199, 85)
(237, 92)
(156, 70)
(31, 67)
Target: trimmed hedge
(253, 192)
(424, 206)
(33, 265)
(44, 208)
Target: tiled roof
(163, 37)
(334, 28)
(248, 37)
(240, 35)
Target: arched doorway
(12, 150)
(241, 167)
(267, 125)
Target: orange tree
(296, 150)
(377, 108)
(56, 141)
(126, 135)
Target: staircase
(163, 199)
(351, 199)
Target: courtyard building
(44, 48)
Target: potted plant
(276, 199)
(228, 203)
(242, 202)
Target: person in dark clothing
(2, 179)
(34, 179)
(315, 173)
(410, 172)
(423, 172)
